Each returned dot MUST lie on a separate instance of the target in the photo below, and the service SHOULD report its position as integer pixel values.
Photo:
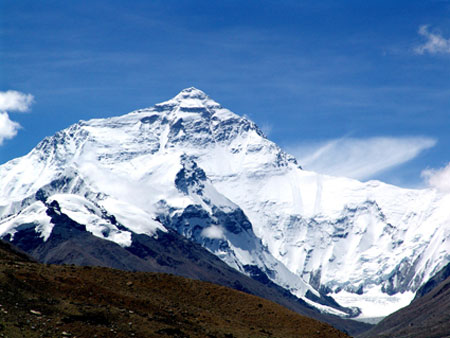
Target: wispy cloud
(359, 158)
(14, 101)
(434, 44)
(267, 128)
(438, 178)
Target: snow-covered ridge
(194, 166)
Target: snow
(325, 309)
(85, 212)
(375, 303)
(342, 227)
(33, 214)
(135, 219)
(304, 224)
(190, 98)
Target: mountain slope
(427, 316)
(191, 166)
(70, 243)
(433, 282)
(60, 301)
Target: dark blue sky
(347, 73)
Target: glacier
(191, 165)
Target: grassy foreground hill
(38, 300)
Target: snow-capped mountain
(190, 165)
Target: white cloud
(361, 159)
(434, 43)
(8, 128)
(213, 232)
(438, 178)
(12, 100)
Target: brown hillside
(66, 301)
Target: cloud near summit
(12, 101)
(361, 159)
(438, 178)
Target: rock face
(191, 167)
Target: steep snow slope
(193, 166)
(371, 244)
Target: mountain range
(152, 189)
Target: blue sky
(353, 88)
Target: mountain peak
(192, 92)
(191, 98)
